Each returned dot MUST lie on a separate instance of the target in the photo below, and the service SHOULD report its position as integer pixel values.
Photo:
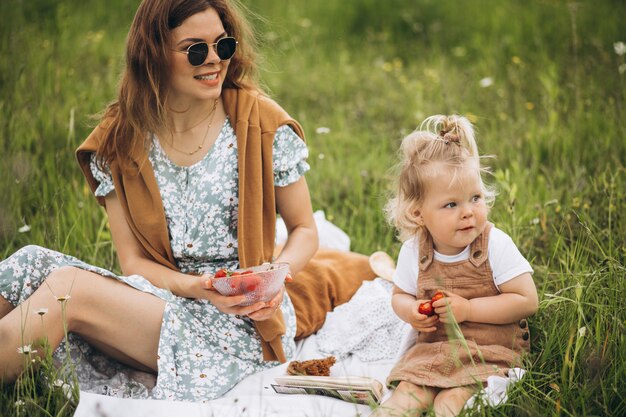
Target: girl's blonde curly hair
(439, 139)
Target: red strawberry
(222, 273)
(426, 308)
(438, 296)
(250, 282)
(235, 282)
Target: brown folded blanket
(329, 279)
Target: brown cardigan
(255, 119)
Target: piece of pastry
(318, 367)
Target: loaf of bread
(318, 367)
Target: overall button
(523, 323)
(478, 254)
(424, 259)
(525, 335)
(190, 245)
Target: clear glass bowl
(261, 284)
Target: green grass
(370, 71)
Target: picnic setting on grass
(202, 246)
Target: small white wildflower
(26, 349)
(620, 48)
(486, 82)
(66, 388)
(321, 156)
(41, 311)
(322, 130)
(63, 298)
(24, 229)
(622, 68)
(582, 331)
(19, 403)
(535, 221)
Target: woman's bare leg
(117, 318)
(449, 402)
(407, 399)
(5, 307)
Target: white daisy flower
(620, 48)
(26, 350)
(41, 311)
(322, 130)
(486, 82)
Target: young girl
(479, 327)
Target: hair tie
(449, 136)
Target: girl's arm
(294, 205)
(405, 306)
(133, 261)
(518, 299)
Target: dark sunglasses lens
(226, 48)
(197, 53)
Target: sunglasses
(198, 52)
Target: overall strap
(426, 250)
(479, 249)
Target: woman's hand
(452, 308)
(273, 305)
(231, 304)
(270, 308)
(421, 322)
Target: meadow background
(543, 81)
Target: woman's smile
(210, 79)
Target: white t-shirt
(505, 260)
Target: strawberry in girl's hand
(426, 309)
(438, 296)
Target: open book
(356, 389)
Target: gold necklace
(211, 115)
(197, 124)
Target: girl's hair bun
(450, 136)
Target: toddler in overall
(479, 328)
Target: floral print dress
(202, 352)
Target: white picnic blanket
(368, 348)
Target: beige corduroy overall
(445, 359)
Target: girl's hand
(452, 308)
(421, 322)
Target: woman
(192, 163)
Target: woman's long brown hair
(143, 93)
